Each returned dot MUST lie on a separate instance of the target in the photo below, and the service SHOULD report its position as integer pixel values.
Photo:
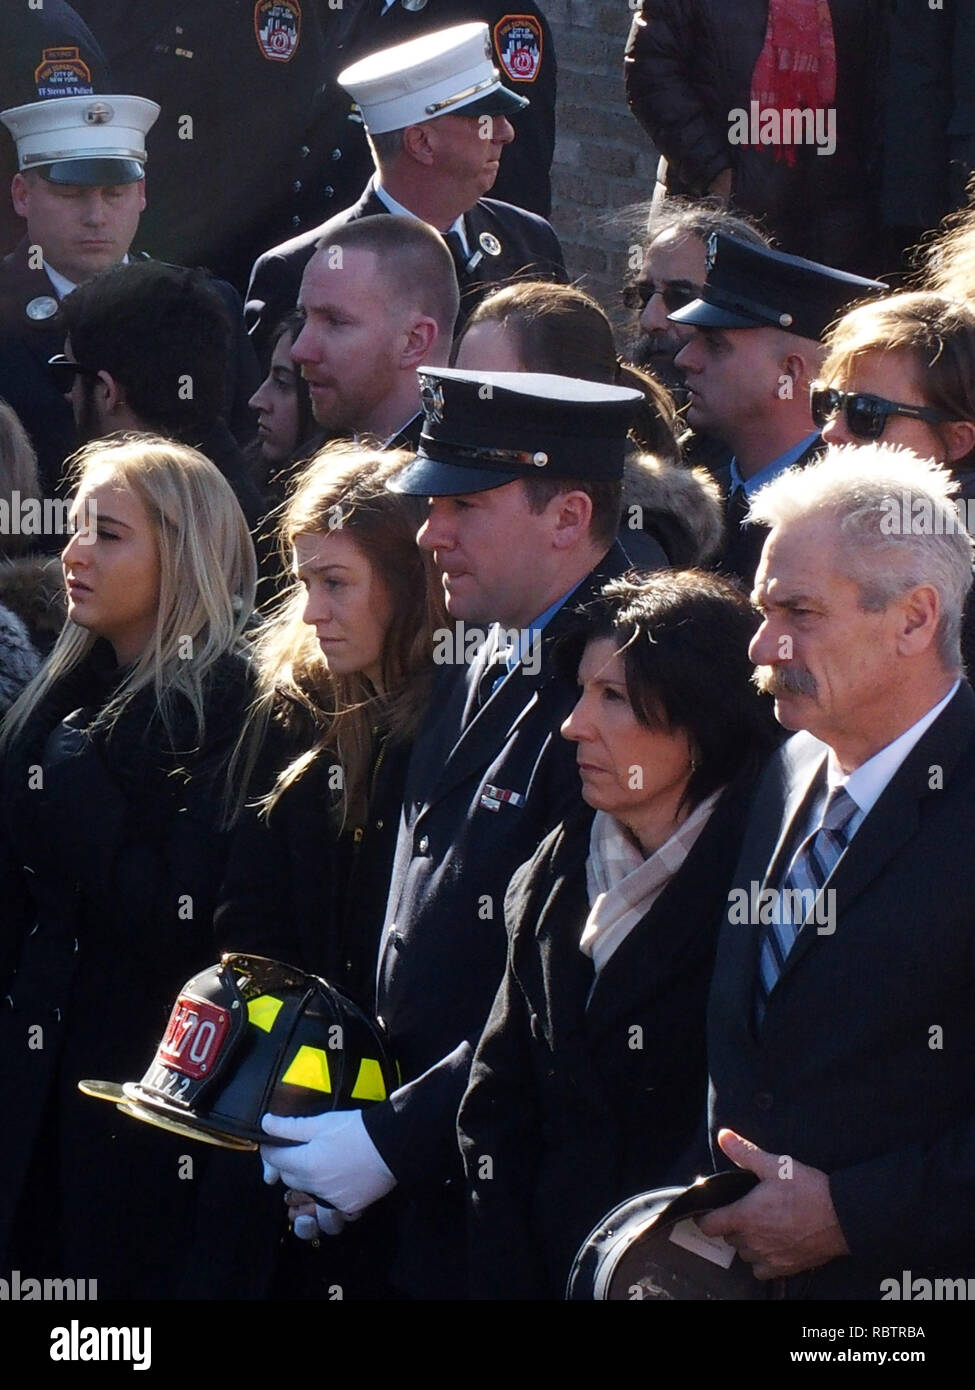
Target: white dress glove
(337, 1162)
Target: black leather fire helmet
(252, 1035)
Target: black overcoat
(574, 1106)
(111, 854)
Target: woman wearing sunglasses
(112, 844)
(902, 370)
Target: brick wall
(603, 158)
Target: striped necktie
(811, 866)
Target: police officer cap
(756, 287)
(484, 429)
(449, 72)
(95, 140)
(650, 1247)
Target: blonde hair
(207, 578)
(18, 472)
(344, 487)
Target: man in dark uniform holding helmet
(524, 472)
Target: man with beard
(671, 271)
(841, 1033)
(379, 300)
(145, 350)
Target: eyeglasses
(63, 372)
(639, 294)
(866, 416)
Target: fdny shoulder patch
(62, 72)
(277, 27)
(518, 44)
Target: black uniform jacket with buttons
(484, 787)
(865, 1066)
(111, 853)
(578, 1105)
(256, 140)
(507, 241)
(30, 335)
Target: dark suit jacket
(865, 1067)
(581, 1106)
(742, 547)
(528, 246)
(443, 949)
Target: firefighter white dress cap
(96, 140)
(449, 72)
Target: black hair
(683, 636)
(163, 334)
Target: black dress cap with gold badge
(98, 141)
(450, 72)
(755, 287)
(484, 429)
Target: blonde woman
(114, 763)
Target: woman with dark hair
(286, 426)
(671, 514)
(590, 1078)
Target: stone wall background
(603, 158)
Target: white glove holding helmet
(336, 1161)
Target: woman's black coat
(111, 854)
(299, 890)
(571, 1109)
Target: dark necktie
(459, 256)
(811, 866)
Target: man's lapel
(893, 821)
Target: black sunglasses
(63, 372)
(639, 294)
(866, 416)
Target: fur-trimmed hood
(679, 507)
(32, 586)
(19, 660)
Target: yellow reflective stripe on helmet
(309, 1068)
(263, 1010)
(369, 1083)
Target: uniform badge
(62, 72)
(277, 27)
(431, 398)
(518, 43)
(711, 252)
(45, 306)
(493, 798)
(414, 5)
(489, 243)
